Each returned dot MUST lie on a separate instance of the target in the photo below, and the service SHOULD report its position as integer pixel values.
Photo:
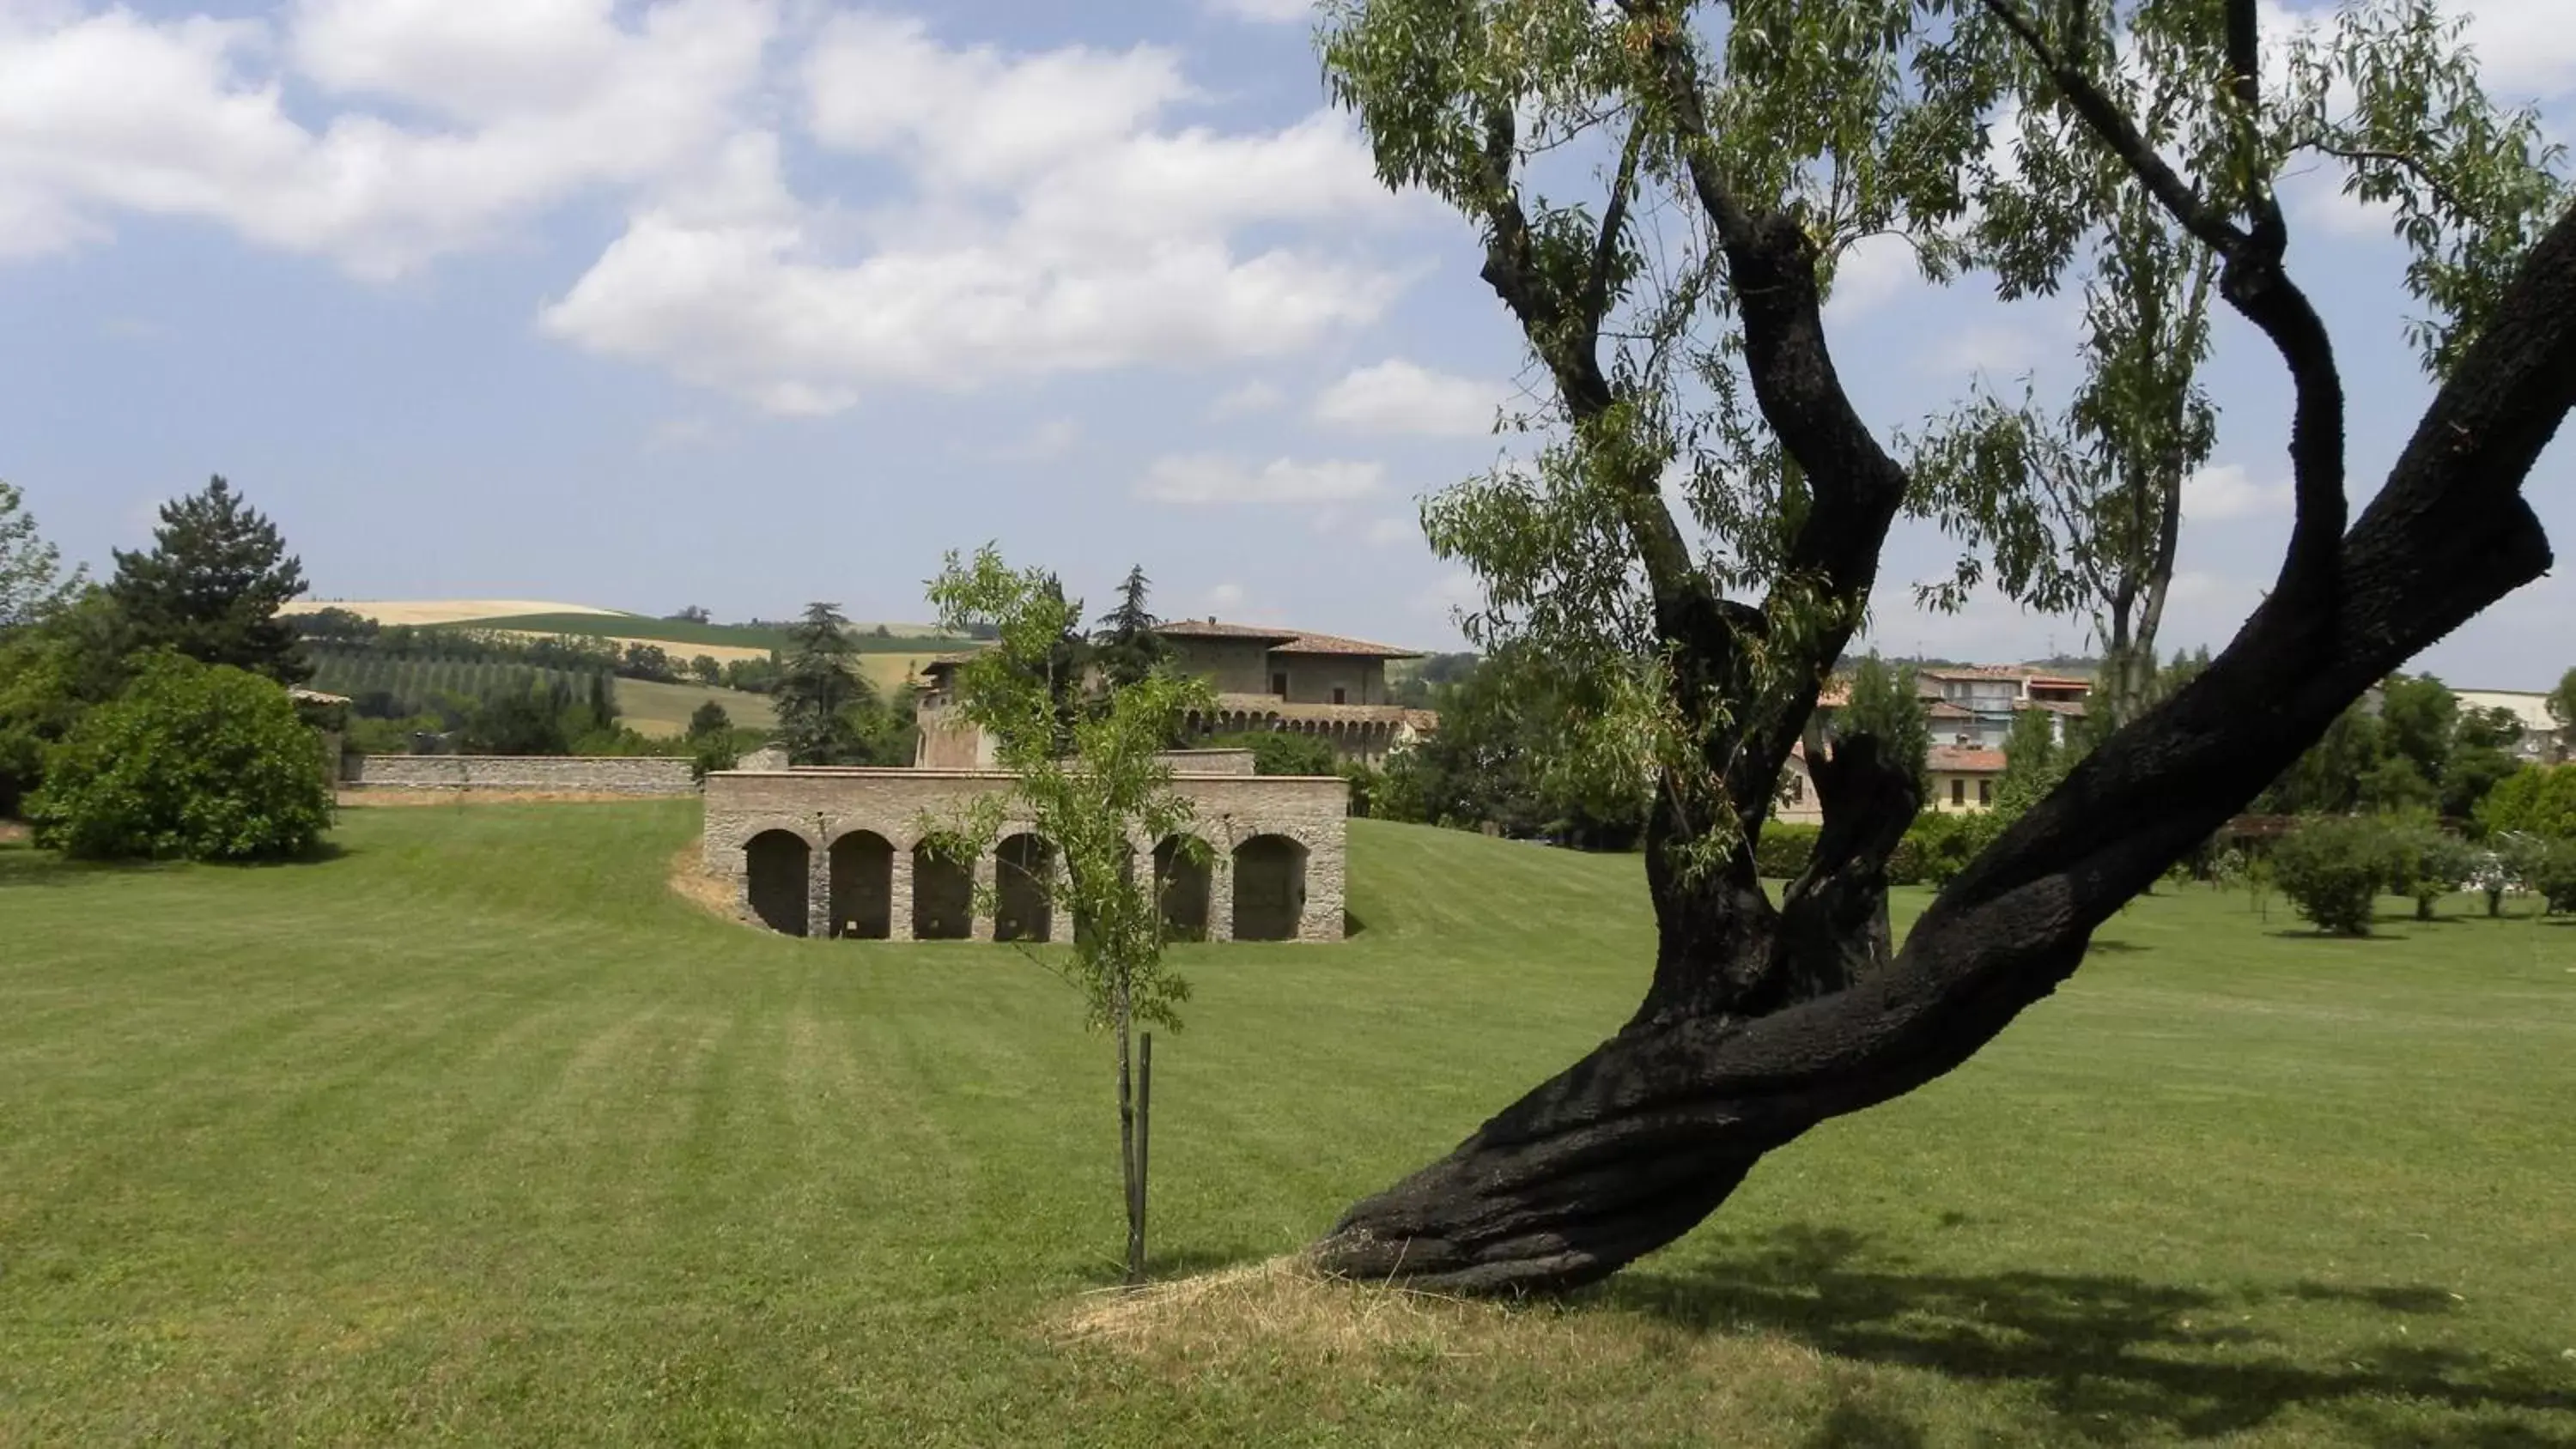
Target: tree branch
(1614, 218)
(1855, 488)
(2122, 135)
(2441, 190)
(2254, 280)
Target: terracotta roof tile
(1285, 641)
(1963, 760)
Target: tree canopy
(1662, 192)
(211, 584)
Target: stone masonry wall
(571, 774)
(820, 806)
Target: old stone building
(850, 852)
(1265, 679)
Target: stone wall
(822, 807)
(568, 774)
(1208, 762)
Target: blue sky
(743, 303)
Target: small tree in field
(2332, 869)
(1093, 799)
(191, 762)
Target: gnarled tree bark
(1763, 1022)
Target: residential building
(2543, 740)
(1265, 679)
(1963, 778)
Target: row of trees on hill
(147, 716)
(342, 638)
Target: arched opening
(1024, 881)
(863, 886)
(943, 896)
(1181, 888)
(1269, 888)
(775, 864)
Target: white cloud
(1043, 212)
(1870, 273)
(529, 105)
(1199, 478)
(1253, 397)
(1224, 598)
(1053, 228)
(1388, 532)
(2225, 492)
(1454, 593)
(2526, 48)
(1985, 348)
(1396, 396)
(1265, 12)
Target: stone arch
(1269, 888)
(1182, 888)
(862, 890)
(775, 867)
(943, 896)
(1024, 889)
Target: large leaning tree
(1699, 528)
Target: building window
(1958, 792)
(1985, 792)
(1279, 685)
(1339, 697)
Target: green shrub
(2332, 868)
(2551, 873)
(2539, 801)
(1366, 781)
(1281, 752)
(192, 762)
(2427, 863)
(1939, 845)
(1784, 849)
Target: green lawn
(475, 1132)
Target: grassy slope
(664, 709)
(476, 1132)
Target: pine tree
(211, 585)
(1128, 645)
(821, 695)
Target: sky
(745, 303)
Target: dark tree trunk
(1762, 1023)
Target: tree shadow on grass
(2119, 1357)
(22, 864)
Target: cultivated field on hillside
(477, 1132)
(441, 611)
(663, 710)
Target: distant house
(2543, 741)
(1963, 777)
(1969, 709)
(1265, 679)
(1972, 706)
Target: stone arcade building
(842, 852)
(1323, 685)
